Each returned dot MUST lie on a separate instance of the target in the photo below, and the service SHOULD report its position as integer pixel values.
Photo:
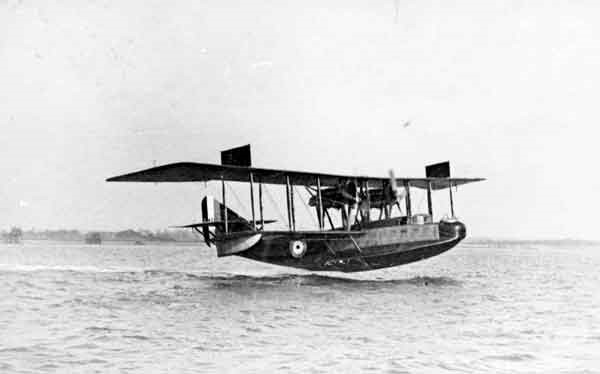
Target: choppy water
(176, 309)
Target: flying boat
(362, 223)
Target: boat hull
(369, 249)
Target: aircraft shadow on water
(318, 280)
(378, 228)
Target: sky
(505, 90)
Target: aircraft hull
(372, 248)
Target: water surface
(68, 308)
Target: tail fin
(214, 211)
(213, 221)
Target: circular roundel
(297, 248)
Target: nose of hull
(453, 229)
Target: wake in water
(232, 280)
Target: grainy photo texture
(299, 187)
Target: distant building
(14, 236)
(93, 238)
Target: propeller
(393, 194)
(393, 185)
(349, 191)
(345, 192)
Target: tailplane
(213, 221)
(214, 211)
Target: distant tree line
(509, 243)
(16, 234)
(13, 236)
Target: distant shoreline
(510, 242)
(130, 236)
(179, 236)
(469, 241)
(104, 242)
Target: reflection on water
(72, 308)
(244, 283)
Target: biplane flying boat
(372, 234)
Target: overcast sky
(506, 90)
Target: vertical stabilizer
(239, 156)
(439, 170)
(214, 211)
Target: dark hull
(370, 249)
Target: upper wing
(197, 172)
(437, 183)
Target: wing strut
(224, 205)
(320, 205)
(429, 201)
(288, 203)
(260, 206)
(252, 200)
(451, 199)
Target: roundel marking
(297, 248)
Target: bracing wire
(306, 207)
(238, 200)
(277, 211)
(420, 204)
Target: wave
(512, 357)
(103, 329)
(136, 337)
(65, 268)
(16, 350)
